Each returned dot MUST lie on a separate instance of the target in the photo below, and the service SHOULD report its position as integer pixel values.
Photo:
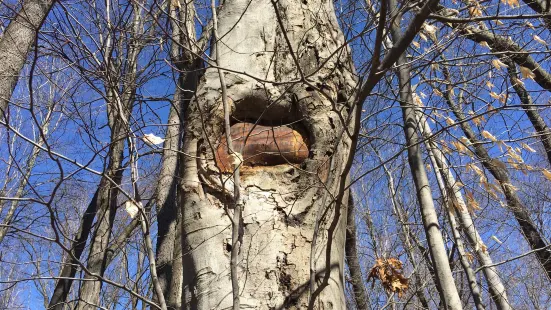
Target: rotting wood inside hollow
(264, 146)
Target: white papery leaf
(152, 139)
(132, 208)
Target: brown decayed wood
(265, 146)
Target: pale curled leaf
(459, 146)
(510, 186)
(514, 155)
(484, 44)
(498, 64)
(236, 159)
(527, 73)
(496, 239)
(538, 39)
(176, 3)
(489, 136)
(517, 81)
(513, 3)
(151, 139)
(527, 147)
(132, 208)
(472, 204)
(475, 10)
(431, 30)
(417, 100)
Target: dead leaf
(489, 136)
(513, 3)
(472, 204)
(469, 256)
(390, 273)
(475, 10)
(132, 208)
(540, 40)
(498, 64)
(527, 73)
(527, 147)
(151, 139)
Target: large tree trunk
(166, 199)
(269, 41)
(444, 277)
(15, 44)
(184, 55)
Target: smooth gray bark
(16, 43)
(495, 284)
(444, 278)
(185, 52)
(447, 192)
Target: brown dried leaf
(489, 136)
(498, 64)
(527, 147)
(527, 73)
(472, 204)
(390, 273)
